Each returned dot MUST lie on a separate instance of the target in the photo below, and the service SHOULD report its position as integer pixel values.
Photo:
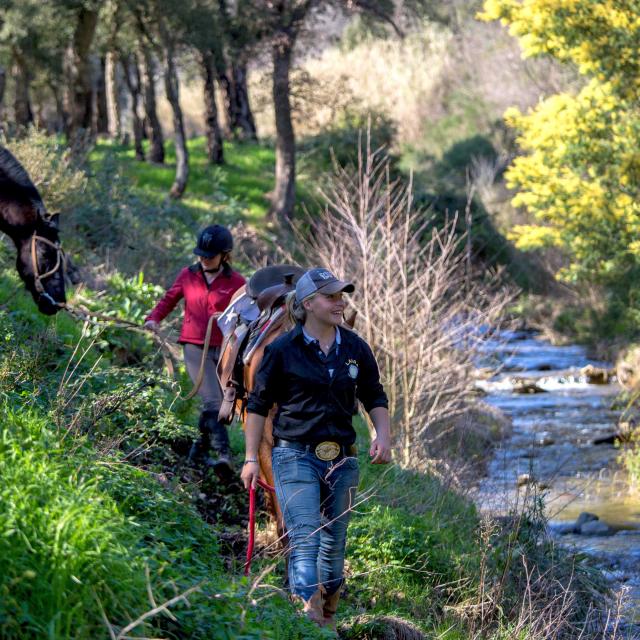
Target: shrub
(52, 168)
(340, 142)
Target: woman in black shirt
(315, 374)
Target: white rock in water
(524, 479)
(596, 375)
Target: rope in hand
(252, 522)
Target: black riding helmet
(213, 240)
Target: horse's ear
(350, 318)
(54, 221)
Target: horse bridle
(61, 261)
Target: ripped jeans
(316, 499)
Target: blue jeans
(316, 499)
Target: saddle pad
(241, 310)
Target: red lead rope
(252, 522)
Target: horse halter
(61, 261)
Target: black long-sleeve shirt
(312, 405)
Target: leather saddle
(244, 332)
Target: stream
(561, 445)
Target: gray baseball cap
(320, 280)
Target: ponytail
(297, 313)
(225, 263)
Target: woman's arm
(380, 450)
(371, 393)
(166, 304)
(253, 427)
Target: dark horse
(24, 218)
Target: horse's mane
(12, 171)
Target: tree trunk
(114, 116)
(239, 117)
(172, 89)
(284, 193)
(3, 86)
(227, 100)
(100, 110)
(214, 135)
(78, 72)
(23, 114)
(61, 115)
(244, 124)
(154, 130)
(132, 78)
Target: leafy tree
(33, 36)
(580, 172)
(283, 22)
(206, 36)
(241, 29)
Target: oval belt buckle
(327, 451)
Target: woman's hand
(151, 325)
(250, 474)
(380, 451)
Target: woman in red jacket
(207, 288)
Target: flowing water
(553, 449)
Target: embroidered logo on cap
(325, 275)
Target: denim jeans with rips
(316, 497)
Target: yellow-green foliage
(599, 36)
(579, 177)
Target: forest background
(299, 124)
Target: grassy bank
(93, 532)
(102, 519)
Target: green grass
(242, 183)
(85, 539)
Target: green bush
(52, 168)
(340, 142)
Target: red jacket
(202, 300)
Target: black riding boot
(214, 437)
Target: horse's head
(41, 265)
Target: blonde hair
(295, 310)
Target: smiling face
(327, 309)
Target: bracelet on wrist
(251, 460)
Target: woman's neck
(211, 276)
(323, 332)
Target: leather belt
(326, 450)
